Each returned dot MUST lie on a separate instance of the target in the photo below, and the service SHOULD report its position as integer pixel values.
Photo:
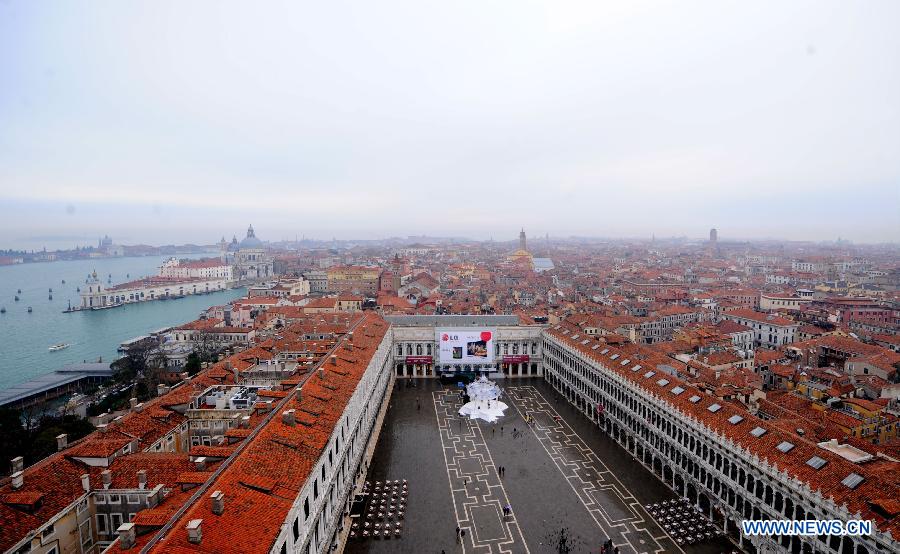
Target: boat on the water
(2, 310)
(29, 309)
(17, 298)
(59, 346)
(18, 291)
(51, 297)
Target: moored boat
(59, 346)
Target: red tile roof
(263, 480)
(879, 481)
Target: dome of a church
(250, 241)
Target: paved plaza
(562, 477)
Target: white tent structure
(484, 403)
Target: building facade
(95, 295)
(517, 348)
(355, 279)
(705, 454)
(769, 331)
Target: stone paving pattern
(615, 510)
(568, 476)
(478, 493)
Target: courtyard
(563, 480)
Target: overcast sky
(182, 121)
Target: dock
(68, 379)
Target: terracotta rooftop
(263, 480)
(877, 481)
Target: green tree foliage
(192, 365)
(39, 441)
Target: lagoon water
(25, 337)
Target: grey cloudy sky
(184, 121)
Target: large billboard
(465, 346)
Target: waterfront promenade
(26, 336)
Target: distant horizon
(532, 238)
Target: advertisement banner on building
(418, 359)
(465, 346)
(516, 359)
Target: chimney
(161, 389)
(195, 531)
(142, 479)
(334, 359)
(18, 479)
(18, 464)
(153, 497)
(218, 502)
(245, 422)
(287, 417)
(102, 427)
(132, 402)
(298, 392)
(62, 441)
(86, 482)
(201, 463)
(126, 536)
(184, 376)
(107, 478)
(139, 407)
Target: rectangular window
(86, 537)
(102, 524)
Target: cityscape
(505, 278)
(746, 380)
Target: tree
(206, 347)
(12, 437)
(193, 363)
(37, 440)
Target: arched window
(418, 350)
